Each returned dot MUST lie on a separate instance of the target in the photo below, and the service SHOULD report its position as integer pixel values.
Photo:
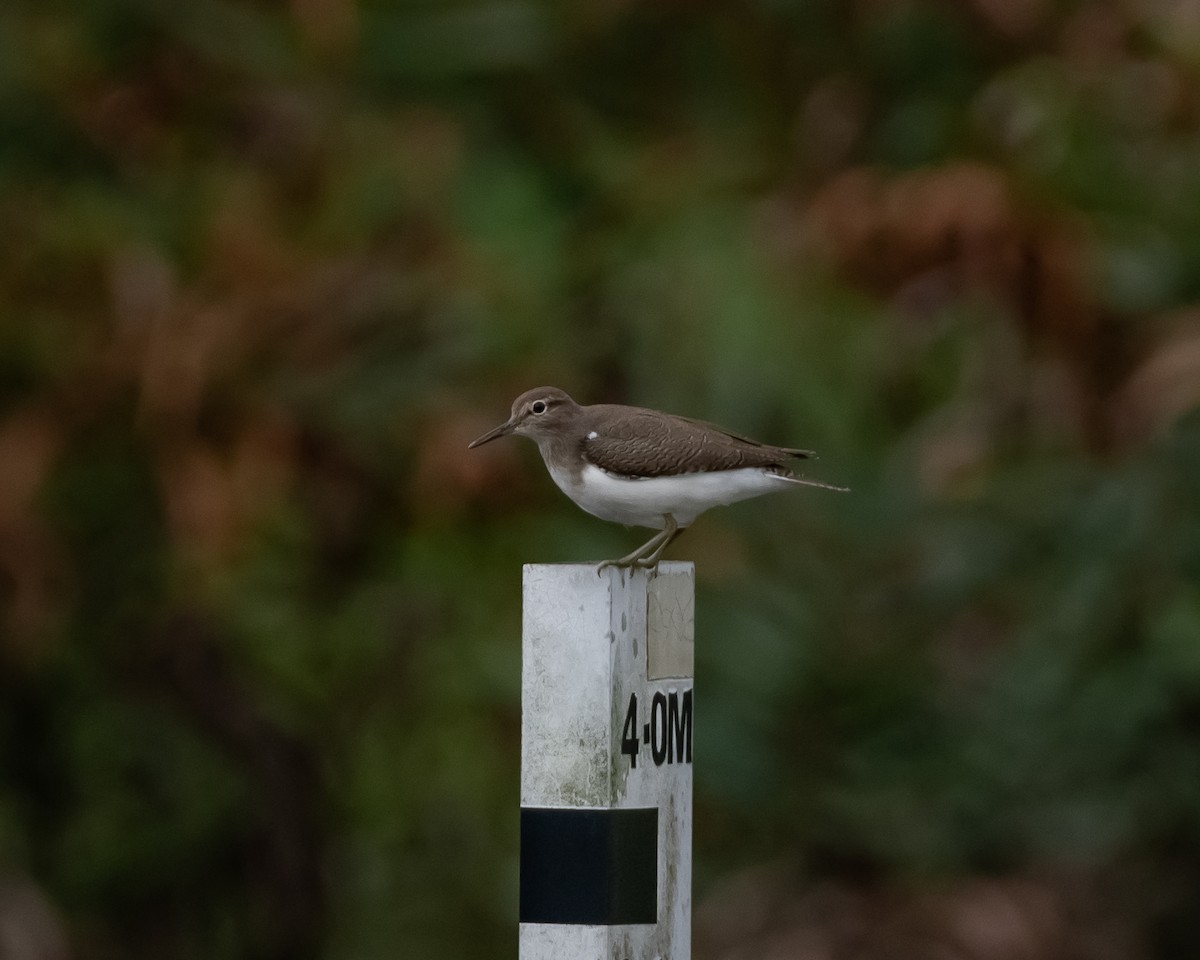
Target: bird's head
(538, 414)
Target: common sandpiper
(645, 468)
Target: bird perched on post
(645, 468)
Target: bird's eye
(539, 406)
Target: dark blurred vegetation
(267, 266)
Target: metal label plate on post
(671, 628)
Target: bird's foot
(638, 563)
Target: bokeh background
(267, 265)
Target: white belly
(643, 502)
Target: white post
(606, 762)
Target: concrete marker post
(606, 762)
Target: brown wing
(637, 443)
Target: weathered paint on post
(606, 724)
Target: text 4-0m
(667, 732)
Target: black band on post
(595, 867)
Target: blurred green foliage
(268, 266)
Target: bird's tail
(804, 481)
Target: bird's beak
(501, 431)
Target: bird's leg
(672, 530)
(648, 553)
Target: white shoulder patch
(593, 435)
